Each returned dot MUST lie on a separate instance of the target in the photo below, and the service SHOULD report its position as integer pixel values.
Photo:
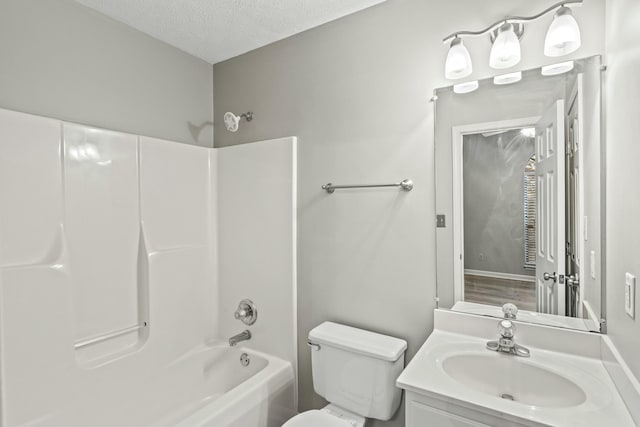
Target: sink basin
(513, 378)
(564, 382)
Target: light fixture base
(518, 28)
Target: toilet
(355, 371)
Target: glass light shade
(466, 87)
(505, 52)
(555, 69)
(506, 79)
(563, 36)
(458, 63)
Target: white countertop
(603, 405)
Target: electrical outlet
(592, 264)
(630, 295)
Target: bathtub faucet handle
(246, 312)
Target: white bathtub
(258, 395)
(207, 387)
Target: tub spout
(242, 336)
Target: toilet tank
(357, 369)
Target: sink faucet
(242, 336)
(510, 311)
(507, 343)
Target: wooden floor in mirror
(497, 291)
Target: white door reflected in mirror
(550, 292)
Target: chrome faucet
(510, 311)
(506, 343)
(242, 336)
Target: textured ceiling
(215, 30)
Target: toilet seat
(316, 418)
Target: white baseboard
(497, 275)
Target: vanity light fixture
(458, 64)
(505, 52)
(563, 38)
(555, 69)
(506, 79)
(466, 87)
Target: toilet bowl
(355, 370)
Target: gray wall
(356, 92)
(623, 174)
(493, 173)
(59, 59)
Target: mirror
(518, 194)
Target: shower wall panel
(257, 234)
(30, 172)
(175, 188)
(99, 231)
(35, 316)
(102, 229)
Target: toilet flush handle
(314, 346)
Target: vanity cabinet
(424, 411)
(419, 414)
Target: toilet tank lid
(358, 341)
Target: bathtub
(260, 394)
(210, 386)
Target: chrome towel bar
(104, 337)
(406, 185)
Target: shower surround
(116, 282)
